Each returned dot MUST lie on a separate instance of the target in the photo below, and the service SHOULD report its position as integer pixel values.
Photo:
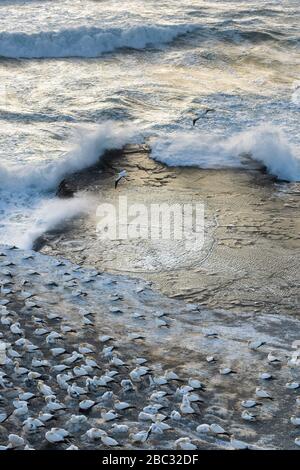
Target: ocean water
(78, 77)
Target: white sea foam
(26, 199)
(89, 145)
(86, 42)
(265, 144)
(52, 213)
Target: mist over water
(83, 67)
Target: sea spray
(266, 144)
(87, 42)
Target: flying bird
(121, 175)
(208, 110)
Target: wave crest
(266, 144)
(86, 42)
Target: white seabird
(56, 435)
(121, 175)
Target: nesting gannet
(45, 390)
(184, 443)
(120, 428)
(195, 384)
(292, 385)
(20, 370)
(39, 363)
(263, 393)
(139, 372)
(210, 359)
(185, 406)
(153, 409)
(32, 424)
(56, 435)
(295, 420)
(272, 358)
(159, 396)
(105, 338)
(248, 416)
(109, 415)
(140, 436)
(15, 328)
(74, 391)
(175, 415)
(266, 376)
(53, 404)
(95, 433)
(226, 371)
(15, 441)
(206, 111)
(217, 429)
(203, 428)
(3, 416)
(255, 344)
(249, 403)
(238, 445)
(121, 175)
(122, 405)
(146, 416)
(109, 441)
(72, 447)
(297, 441)
(86, 405)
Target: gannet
(295, 420)
(121, 175)
(86, 405)
(203, 428)
(140, 436)
(254, 345)
(185, 406)
(237, 444)
(44, 389)
(120, 428)
(109, 415)
(272, 358)
(263, 393)
(175, 415)
(15, 441)
(226, 371)
(52, 404)
(32, 424)
(248, 416)
(109, 441)
(292, 385)
(184, 443)
(95, 433)
(249, 403)
(208, 110)
(195, 384)
(56, 435)
(266, 376)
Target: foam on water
(86, 42)
(27, 202)
(89, 144)
(266, 144)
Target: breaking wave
(86, 42)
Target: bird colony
(90, 360)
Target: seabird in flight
(121, 175)
(208, 110)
